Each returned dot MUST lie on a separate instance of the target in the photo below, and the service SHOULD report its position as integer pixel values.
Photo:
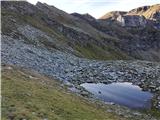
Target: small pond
(125, 94)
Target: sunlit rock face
(132, 21)
(156, 16)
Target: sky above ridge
(96, 8)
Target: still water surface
(125, 94)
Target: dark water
(121, 93)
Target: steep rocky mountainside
(77, 36)
(81, 35)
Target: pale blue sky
(96, 8)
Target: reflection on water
(120, 93)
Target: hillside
(94, 39)
(90, 42)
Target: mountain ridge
(147, 11)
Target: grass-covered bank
(30, 96)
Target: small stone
(9, 68)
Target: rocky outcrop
(155, 16)
(132, 21)
(151, 13)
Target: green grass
(154, 112)
(92, 51)
(37, 98)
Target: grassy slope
(103, 53)
(39, 97)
